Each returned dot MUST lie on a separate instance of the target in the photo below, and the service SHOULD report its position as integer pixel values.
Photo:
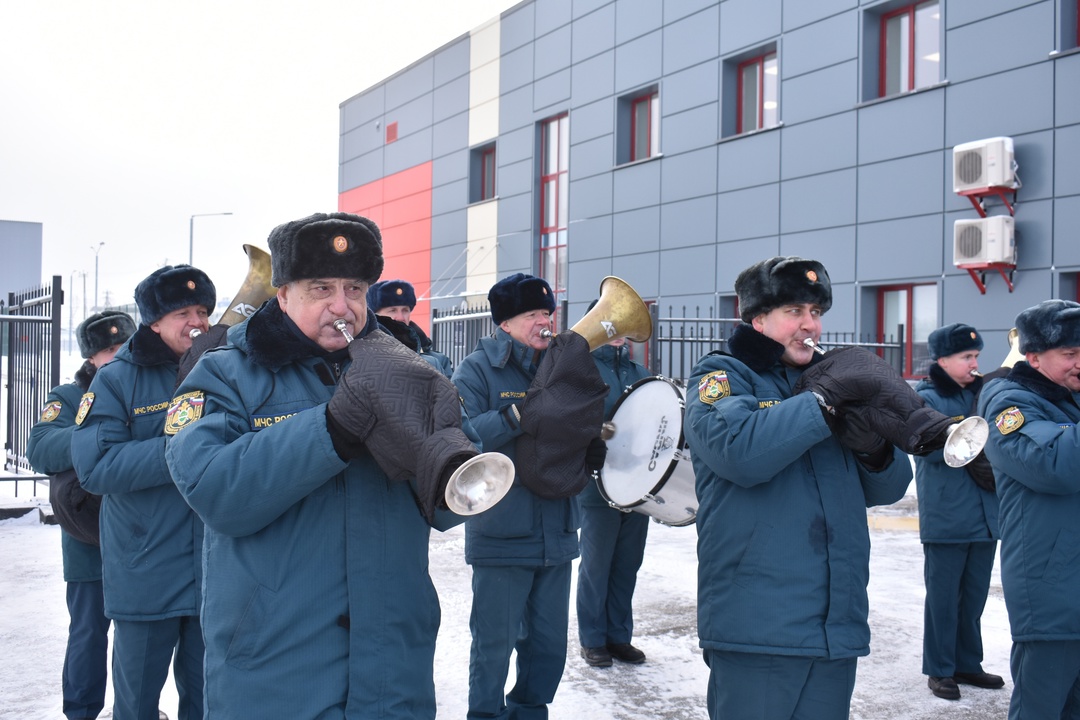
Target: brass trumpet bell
(965, 441)
(256, 289)
(480, 483)
(1014, 355)
(619, 313)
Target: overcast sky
(120, 119)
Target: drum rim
(672, 464)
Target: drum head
(648, 431)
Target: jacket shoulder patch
(1009, 420)
(184, 410)
(51, 411)
(713, 387)
(84, 408)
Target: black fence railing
(32, 325)
(679, 339)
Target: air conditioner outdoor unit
(983, 164)
(985, 240)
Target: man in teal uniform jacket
(783, 543)
(48, 449)
(151, 541)
(958, 526)
(318, 602)
(1034, 448)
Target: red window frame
(908, 322)
(649, 150)
(883, 55)
(487, 173)
(759, 61)
(554, 192)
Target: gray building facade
(675, 143)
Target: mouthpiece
(975, 373)
(809, 342)
(342, 327)
(195, 332)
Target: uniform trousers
(957, 577)
(142, 651)
(612, 548)
(750, 686)
(518, 608)
(86, 660)
(1046, 680)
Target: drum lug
(648, 497)
(620, 508)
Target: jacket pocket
(247, 640)
(513, 517)
(754, 559)
(1062, 557)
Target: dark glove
(349, 417)
(847, 376)
(595, 455)
(212, 338)
(855, 432)
(982, 473)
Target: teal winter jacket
(318, 602)
(522, 529)
(783, 543)
(49, 451)
(952, 508)
(1034, 448)
(151, 541)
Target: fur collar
(147, 348)
(1033, 380)
(757, 351)
(274, 341)
(84, 375)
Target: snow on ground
(671, 685)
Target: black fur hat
(103, 330)
(781, 281)
(952, 339)
(335, 245)
(519, 293)
(390, 293)
(173, 287)
(1050, 324)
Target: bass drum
(648, 466)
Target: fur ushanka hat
(335, 245)
(519, 293)
(173, 287)
(952, 339)
(391, 293)
(781, 281)
(1048, 325)
(103, 330)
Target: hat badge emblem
(544, 291)
(972, 334)
(341, 244)
(811, 276)
(399, 291)
(114, 330)
(190, 284)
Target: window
(750, 90)
(908, 314)
(482, 173)
(757, 94)
(554, 196)
(910, 48)
(638, 125)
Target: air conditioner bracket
(978, 273)
(976, 197)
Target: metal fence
(679, 339)
(32, 324)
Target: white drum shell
(648, 467)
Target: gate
(32, 367)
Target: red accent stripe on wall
(400, 204)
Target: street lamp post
(96, 250)
(191, 233)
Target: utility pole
(96, 250)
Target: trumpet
(341, 327)
(964, 440)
